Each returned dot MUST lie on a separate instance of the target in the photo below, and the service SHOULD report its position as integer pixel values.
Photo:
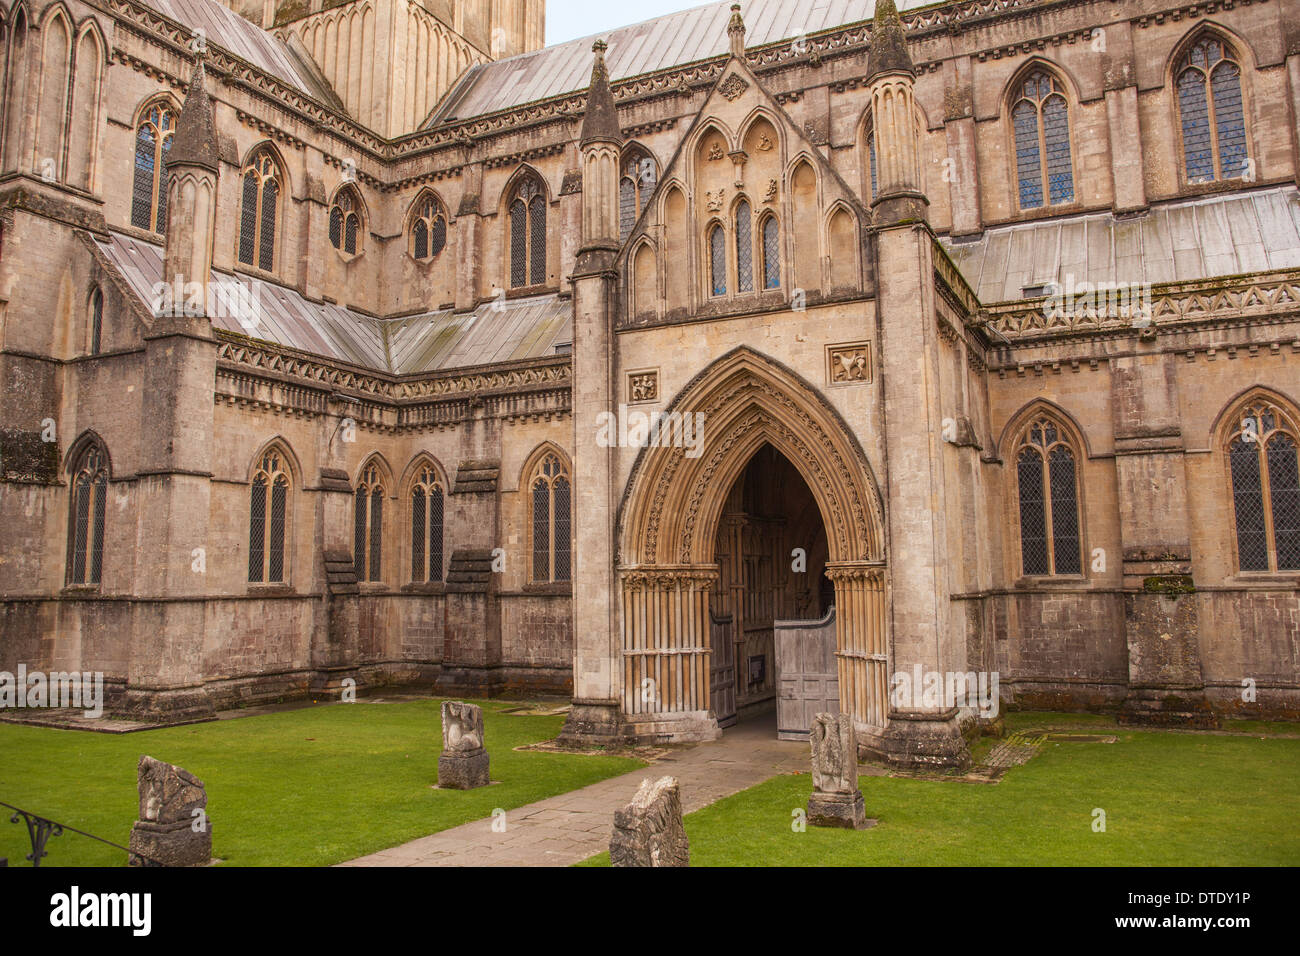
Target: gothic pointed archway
(668, 523)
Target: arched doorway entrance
(748, 408)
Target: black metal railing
(40, 829)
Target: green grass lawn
(296, 788)
(1169, 798)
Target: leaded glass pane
(771, 254)
(1065, 512)
(871, 156)
(438, 236)
(1056, 139)
(1284, 489)
(248, 218)
(279, 493)
(81, 533)
(417, 535)
(257, 530)
(1248, 502)
(336, 227)
(376, 533)
(142, 189)
(162, 176)
(1028, 162)
(97, 535)
(744, 249)
(518, 244)
(97, 322)
(626, 208)
(435, 534)
(1033, 515)
(421, 235)
(718, 261)
(541, 531)
(350, 234)
(1229, 120)
(537, 240)
(266, 252)
(359, 536)
(562, 540)
(1195, 113)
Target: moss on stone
(1170, 584)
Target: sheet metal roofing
(431, 341)
(678, 38)
(1178, 242)
(244, 39)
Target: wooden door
(807, 674)
(722, 670)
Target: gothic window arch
(153, 141)
(268, 518)
(744, 231)
(96, 321)
(428, 231)
(770, 233)
(368, 525)
(1041, 126)
(428, 501)
(1047, 486)
(527, 224)
(259, 209)
(636, 185)
(1265, 477)
(1210, 111)
(550, 498)
(346, 222)
(87, 511)
(717, 250)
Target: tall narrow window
(268, 520)
(871, 153)
(1042, 131)
(367, 551)
(1265, 471)
(718, 260)
(96, 321)
(1210, 108)
(527, 235)
(345, 221)
(428, 229)
(89, 500)
(771, 254)
(426, 527)
(259, 206)
(635, 186)
(744, 247)
(153, 141)
(551, 507)
(1047, 483)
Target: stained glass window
(1048, 489)
(1265, 471)
(428, 228)
(527, 235)
(636, 184)
(744, 248)
(552, 521)
(268, 519)
(427, 526)
(771, 254)
(1210, 108)
(258, 212)
(368, 524)
(718, 260)
(153, 141)
(96, 321)
(1040, 122)
(89, 499)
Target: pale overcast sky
(568, 19)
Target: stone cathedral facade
(373, 342)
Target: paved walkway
(570, 827)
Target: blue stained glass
(1195, 112)
(1056, 137)
(1229, 120)
(1028, 162)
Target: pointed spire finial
(600, 123)
(736, 31)
(195, 140)
(888, 43)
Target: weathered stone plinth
(593, 723)
(846, 810)
(463, 771)
(463, 764)
(173, 828)
(172, 844)
(649, 831)
(1164, 707)
(926, 741)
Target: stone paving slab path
(570, 827)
